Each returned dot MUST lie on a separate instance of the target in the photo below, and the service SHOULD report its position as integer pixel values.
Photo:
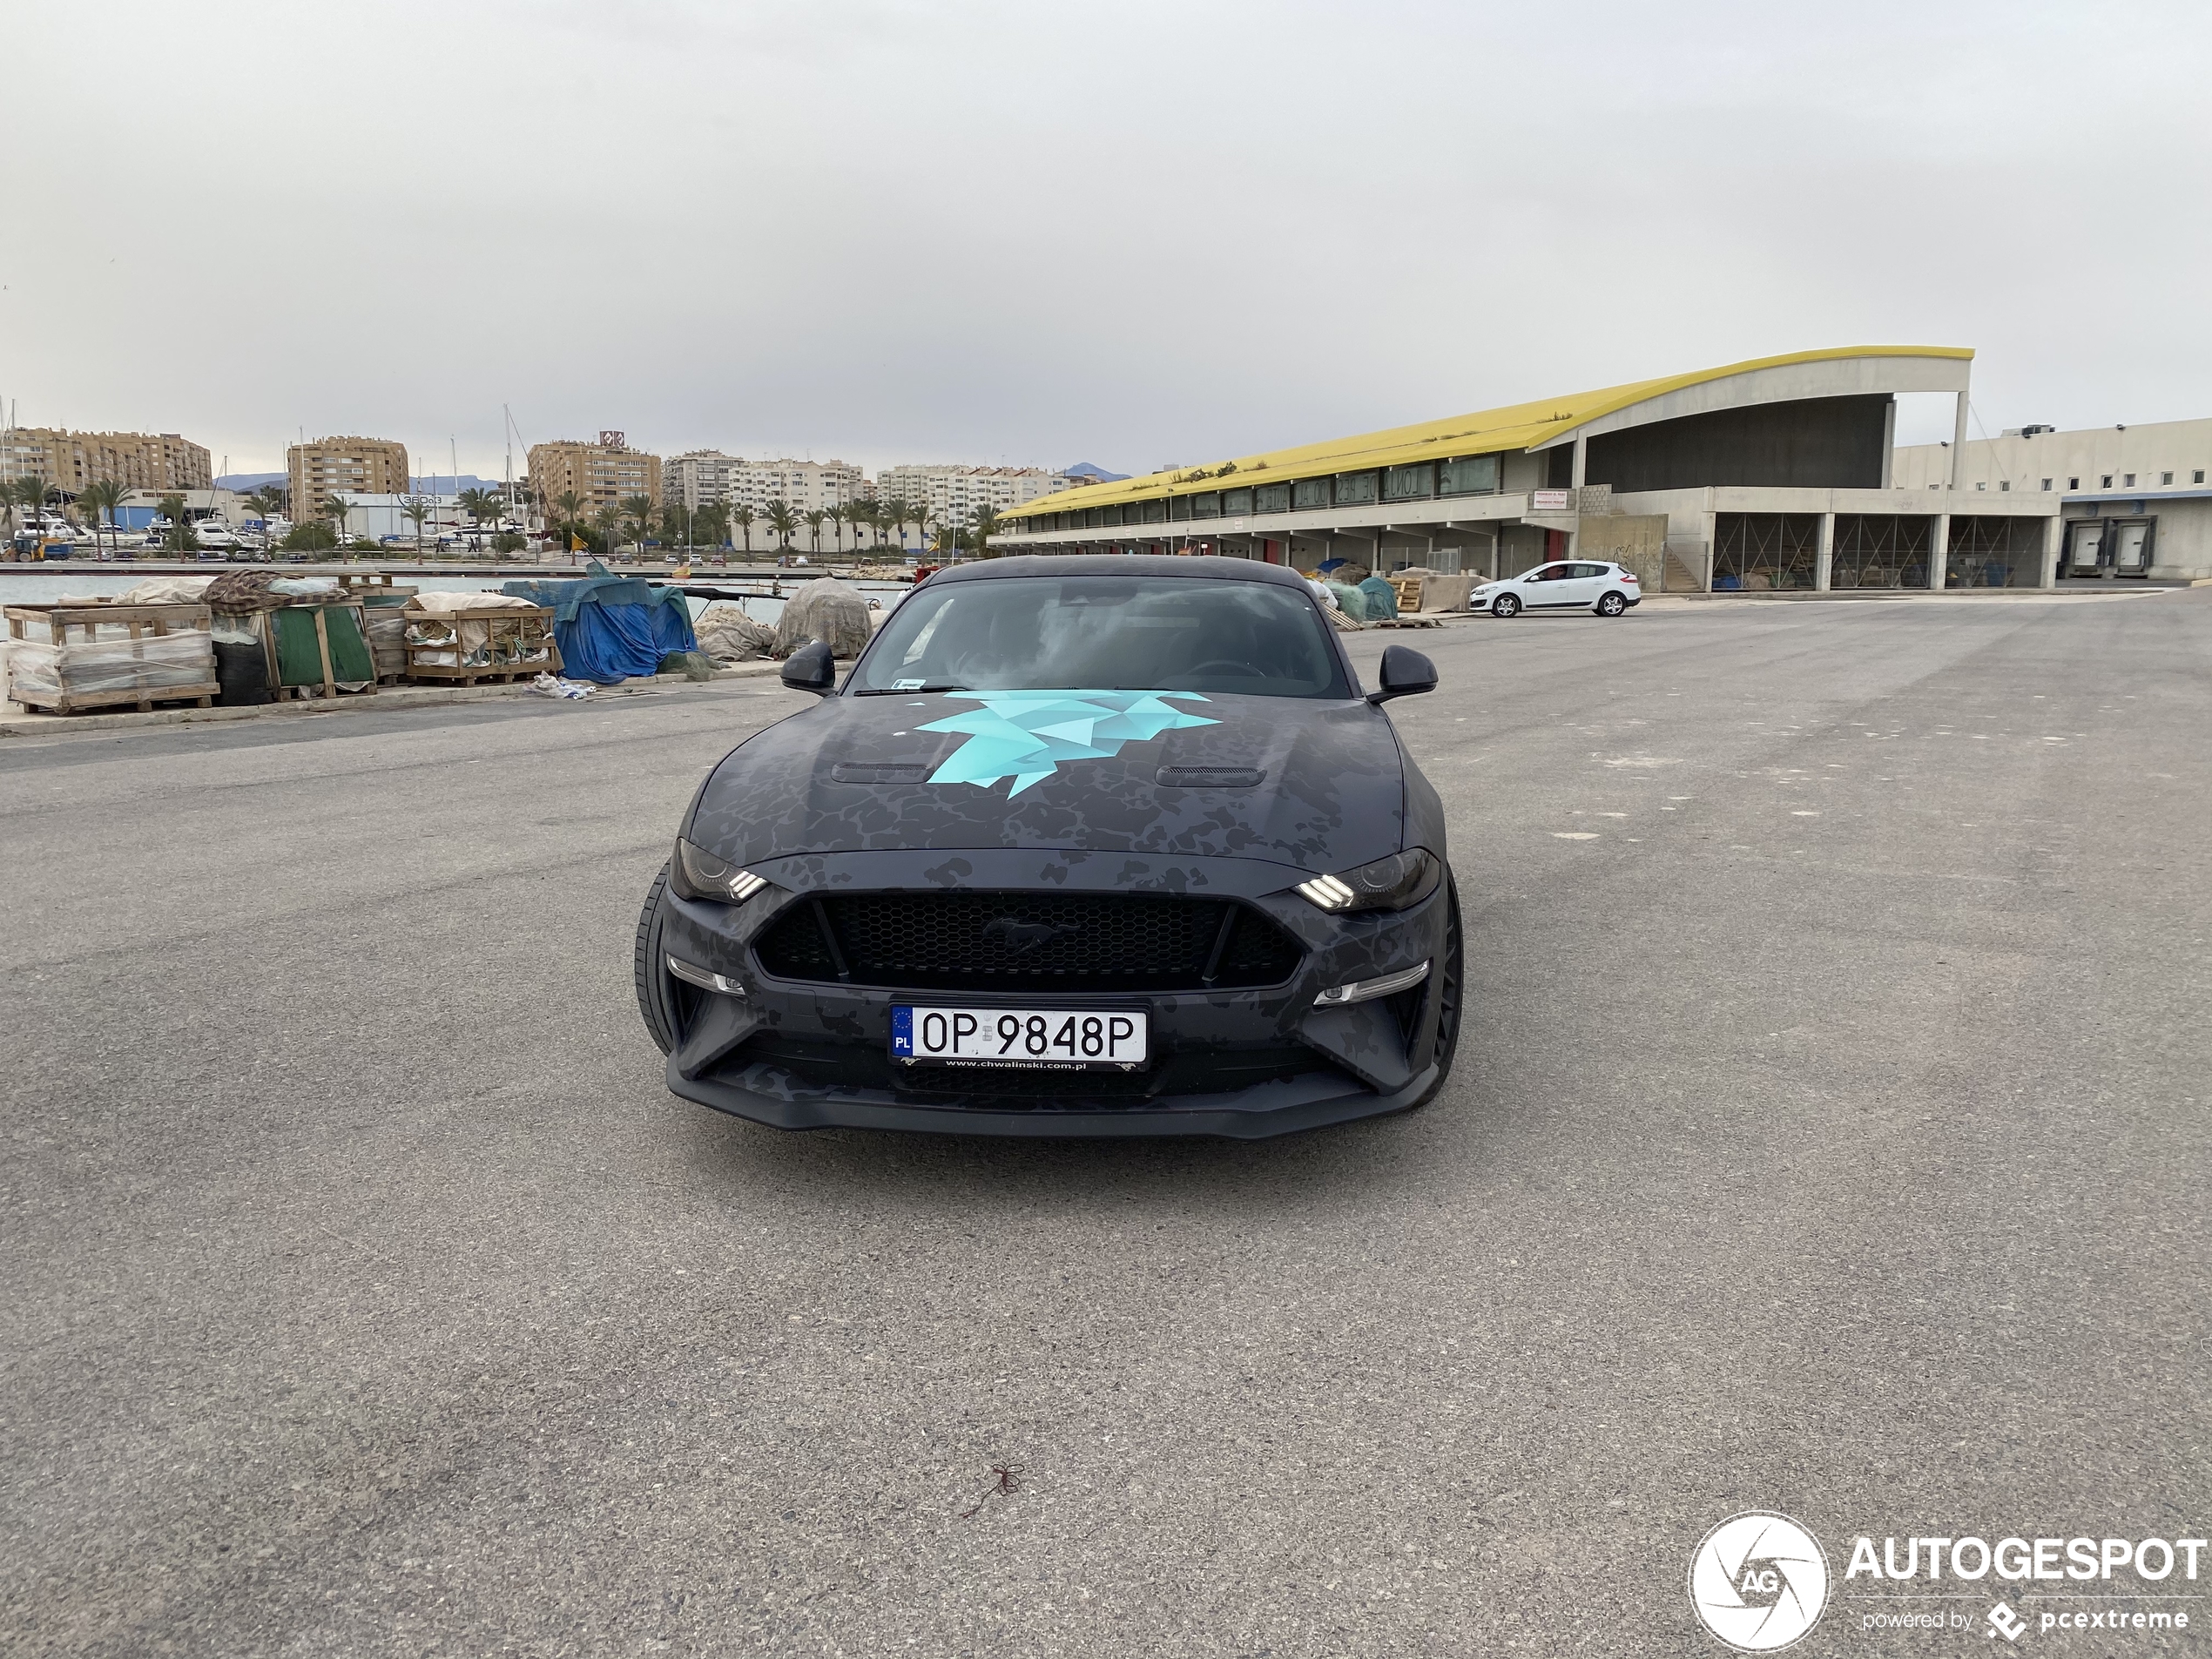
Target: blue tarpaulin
(612, 628)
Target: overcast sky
(1134, 234)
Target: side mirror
(811, 667)
(1405, 673)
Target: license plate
(1044, 1039)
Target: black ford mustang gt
(1082, 846)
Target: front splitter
(1246, 1115)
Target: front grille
(828, 1063)
(1027, 941)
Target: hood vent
(1210, 777)
(846, 772)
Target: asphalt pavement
(1829, 1136)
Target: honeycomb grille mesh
(1020, 941)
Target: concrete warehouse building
(604, 473)
(2134, 498)
(69, 460)
(316, 471)
(1771, 475)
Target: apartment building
(957, 494)
(698, 478)
(316, 471)
(604, 473)
(800, 485)
(69, 460)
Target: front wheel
(1504, 605)
(1450, 982)
(660, 999)
(1612, 605)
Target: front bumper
(1243, 1064)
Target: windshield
(1105, 633)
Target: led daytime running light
(1326, 892)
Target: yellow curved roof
(1521, 426)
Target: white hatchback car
(1575, 586)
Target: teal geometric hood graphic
(1025, 735)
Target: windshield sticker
(1025, 735)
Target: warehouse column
(1581, 467)
(2054, 536)
(1938, 549)
(1824, 561)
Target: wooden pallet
(480, 675)
(143, 621)
(519, 628)
(143, 701)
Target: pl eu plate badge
(902, 1033)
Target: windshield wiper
(907, 690)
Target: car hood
(1313, 784)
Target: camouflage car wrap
(1240, 801)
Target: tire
(1451, 989)
(660, 999)
(1613, 604)
(1504, 605)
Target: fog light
(1365, 990)
(691, 974)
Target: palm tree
(270, 498)
(480, 504)
(103, 495)
(607, 521)
(893, 514)
(29, 491)
(924, 515)
(416, 509)
(639, 510)
(783, 522)
(986, 521)
(181, 538)
(742, 517)
(834, 512)
(571, 509)
(813, 516)
(334, 508)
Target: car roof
(1149, 564)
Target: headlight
(1387, 884)
(697, 874)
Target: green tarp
(299, 656)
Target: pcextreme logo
(1758, 1582)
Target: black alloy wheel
(669, 1006)
(1449, 981)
